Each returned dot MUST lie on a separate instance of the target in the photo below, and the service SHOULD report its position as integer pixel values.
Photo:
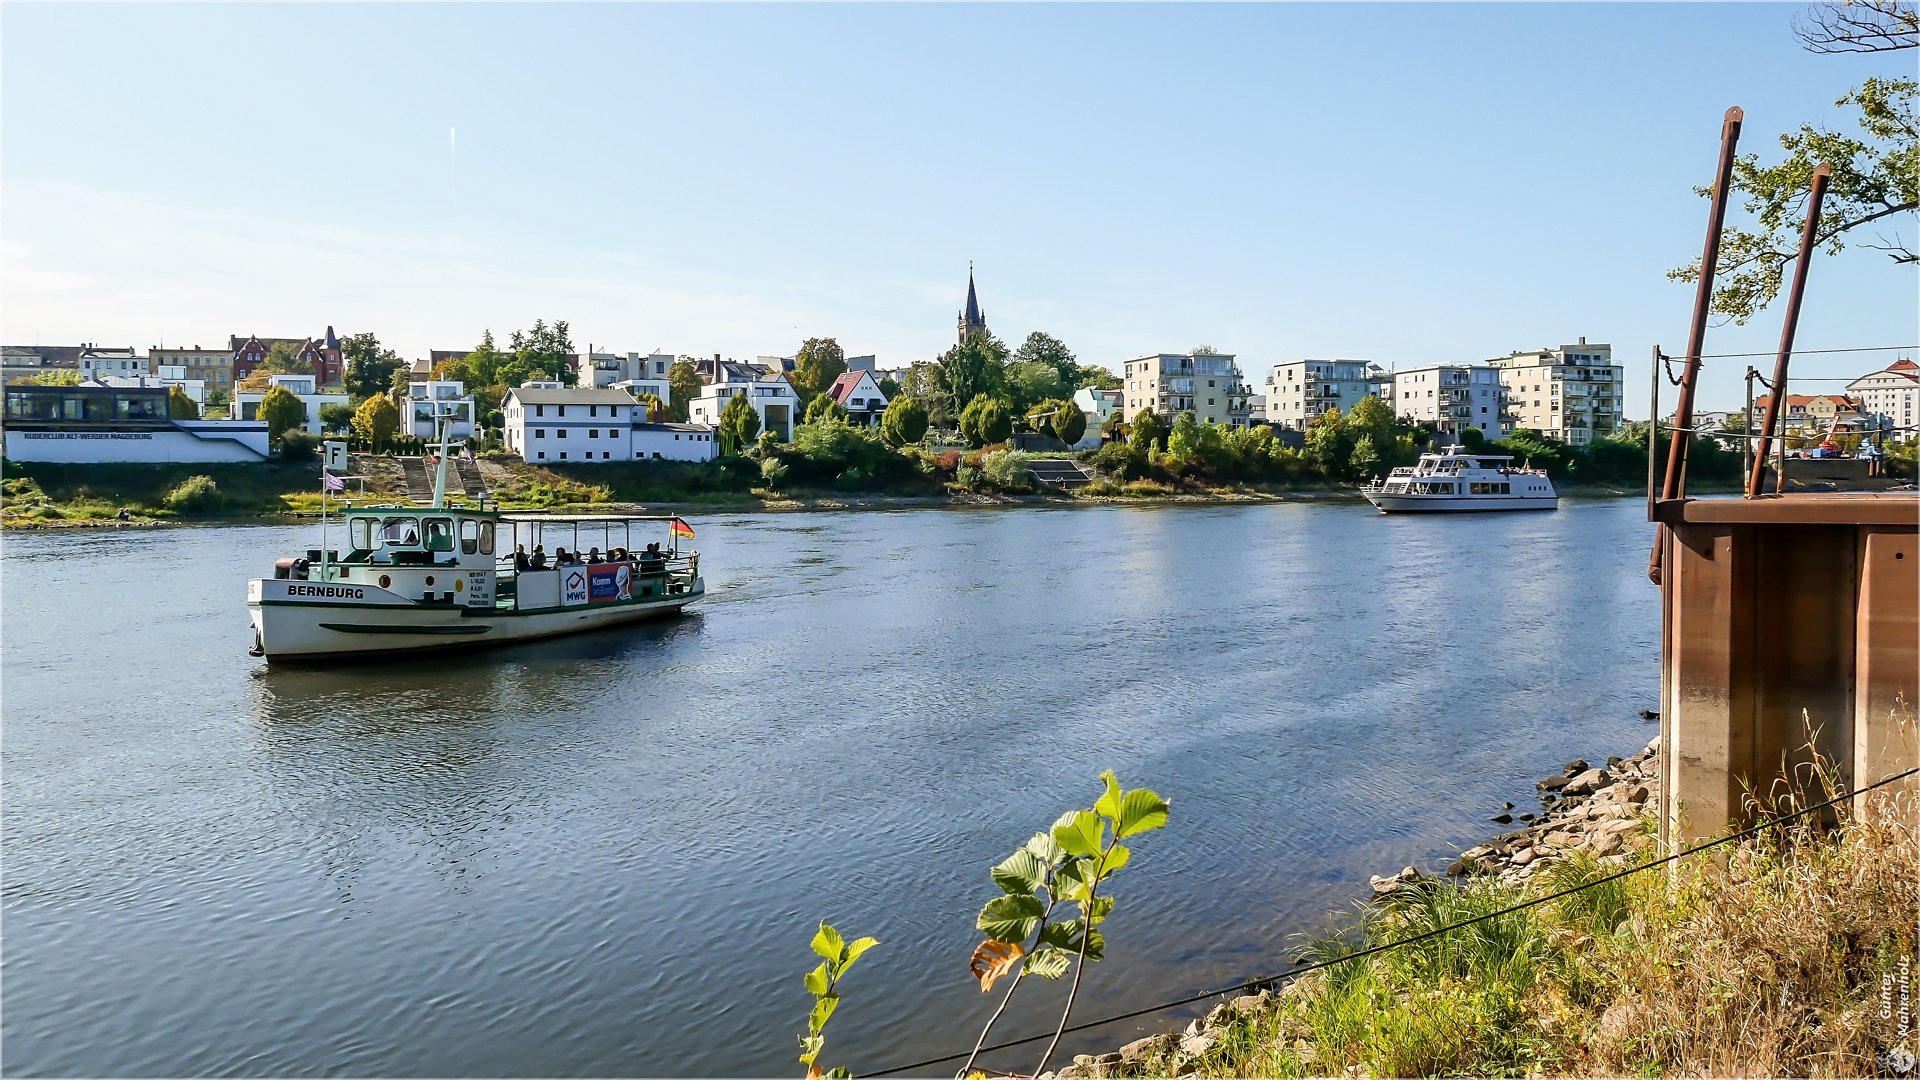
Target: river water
(605, 855)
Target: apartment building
(213, 367)
(1570, 394)
(636, 373)
(1891, 396)
(771, 396)
(1452, 398)
(98, 360)
(1209, 385)
(1300, 391)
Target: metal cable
(1298, 970)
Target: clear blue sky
(1408, 184)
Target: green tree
(540, 353)
(888, 388)
(376, 422)
(1148, 430)
(1472, 438)
(656, 410)
(823, 406)
(336, 416)
(985, 422)
(1364, 462)
(1876, 174)
(904, 423)
(974, 367)
(683, 385)
(180, 406)
(1328, 444)
(738, 424)
(54, 377)
(815, 366)
(1184, 440)
(283, 358)
(1031, 384)
(282, 410)
(1068, 423)
(369, 366)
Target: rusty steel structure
(1790, 623)
(1815, 196)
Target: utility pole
(1746, 429)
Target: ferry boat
(413, 579)
(1455, 480)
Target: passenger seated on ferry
(652, 561)
(539, 557)
(520, 558)
(561, 558)
(593, 554)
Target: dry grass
(1768, 962)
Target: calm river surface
(605, 855)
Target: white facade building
(103, 423)
(304, 387)
(1452, 398)
(1571, 393)
(99, 362)
(859, 394)
(547, 425)
(436, 397)
(1208, 385)
(1891, 396)
(1297, 393)
(633, 372)
(771, 396)
(674, 442)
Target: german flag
(681, 528)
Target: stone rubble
(1585, 809)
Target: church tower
(971, 319)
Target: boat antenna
(440, 420)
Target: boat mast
(440, 420)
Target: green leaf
(1073, 881)
(1065, 936)
(1021, 874)
(1117, 857)
(840, 1073)
(1048, 963)
(828, 943)
(1010, 918)
(1043, 846)
(810, 1047)
(822, 1012)
(1081, 832)
(1140, 811)
(818, 981)
(1101, 906)
(854, 950)
(1109, 804)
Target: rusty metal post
(1746, 430)
(1653, 436)
(1815, 196)
(1674, 485)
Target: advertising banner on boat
(573, 585)
(609, 581)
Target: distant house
(673, 442)
(1891, 396)
(212, 367)
(548, 424)
(856, 392)
(432, 398)
(1098, 405)
(98, 360)
(771, 396)
(633, 372)
(1806, 415)
(305, 387)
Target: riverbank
(1770, 961)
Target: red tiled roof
(1903, 364)
(844, 385)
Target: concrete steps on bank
(1059, 473)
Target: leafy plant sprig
(823, 983)
(1068, 863)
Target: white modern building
(1297, 393)
(771, 396)
(304, 387)
(1891, 396)
(633, 372)
(1571, 393)
(100, 423)
(1451, 398)
(547, 424)
(439, 397)
(1099, 407)
(674, 442)
(1208, 385)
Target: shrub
(904, 423)
(1148, 430)
(299, 444)
(376, 422)
(967, 476)
(823, 407)
(180, 406)
(283, 411)
(336, 416)
(985, 422)
(1007, 470)
(1127, 461)
(738, 424)
(1069, 424)
(772, 472)
(195, 495)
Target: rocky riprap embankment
(1585, 809)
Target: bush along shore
(1771, 959)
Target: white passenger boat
(413, 579)
(1455, 480)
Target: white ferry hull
(1454, 504)
(369, 622)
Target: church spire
(971, 319)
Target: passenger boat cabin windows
(400, 532)
(439, 534)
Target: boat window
(439, 534)
(400, 532)
(469, 536)
(360, 533)
(486, 538)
